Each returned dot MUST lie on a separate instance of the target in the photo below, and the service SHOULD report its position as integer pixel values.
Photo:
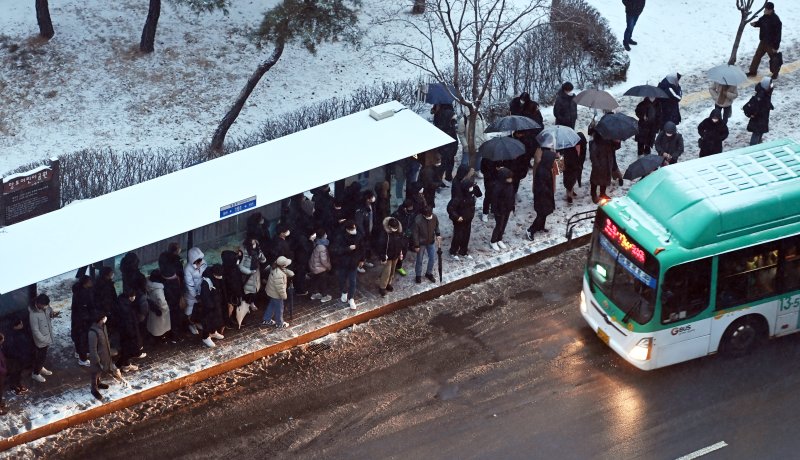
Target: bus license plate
(603, 336)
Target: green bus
(700, 257)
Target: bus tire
(743, 335)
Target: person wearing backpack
(757, 110)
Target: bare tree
(43, 18)
(744, 7)
(309, 22)
(147, 42)
(476, 35)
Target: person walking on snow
(633, 9)
(41, 316)
(565, 109)
(424, 237)
(277, 285)
(760, 107)
(712, 132)
(669, 143)
(769, 38)
(723, 96)
(100, 355)
(669, 108)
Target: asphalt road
(506, 369)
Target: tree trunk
(419, 7)
(43, 18)
(147, 43)
(227, 121)
(470, 133)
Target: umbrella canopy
(727, 74)
(643, 166)
(597, 99)
(564, 137)
(241, 311)
(501, 149)
(512, 123)
(617, 126)
(646, 91)
(439, 94)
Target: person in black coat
(18, 349)
(389, 247)
(257, 228)
(669, 108)
(769, 38)
(633, 9)
(105, 297)
(339, 216)
(406, 215)
(431, 179)
(133, 278)
(366, 223)
(503, 205)
(444, 118)
(81, 312)
(761, 107)
(129, 335)
(489, 169)
(601, 154)
(213, 301)
(347, 251)
(351, 199)
(519, 166)
(544, 200)
(416, 193)
(323, 209)
(280, 244)
(302, 246)
(518, 103)
(234, 284)
(565, 109)
(712, 132)
(170, 263)
(573, 165)
(461, 210)
(648, 125)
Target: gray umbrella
(643, 166)
(564, 137)
(512, 123)
(501, 149)
(646, 91)
(617, 126)
(597, 99)
(727, 74)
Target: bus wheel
(743, 335)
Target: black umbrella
(512, 123)
(501, 149)
(617, 126)
(439, 94)
(439, 255)
(646, 91)
(643, 166)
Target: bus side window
(791, 265)
(685, 290)
(747, 275)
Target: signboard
(239, 206)
(30, 194)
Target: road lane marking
(703, 451)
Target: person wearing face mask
(280, 244)
(100, 355)
(258, 228)
(761, 105)
(565, 109)
(647, 113)
(318, 265)
(712, 132)
(192, 277)
(366, 225)
(277, 292)
(348, 256)
(424, 238)
(390, 247)
(41, 315)
(461, 210)
(669, 143)
(723, 97)
(406, 215)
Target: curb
(151, 393)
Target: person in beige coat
(277, 285)
(158, 320)
(723, 97)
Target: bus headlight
(641, 352)
(583, 302)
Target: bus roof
(723, 196)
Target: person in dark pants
(712, 132)
(565, 109)
(544, 201)
(100, 355)
(648, 125)
(574, 158)
(461, 210)
(81, 312)
(633, 9)
(669, 143)
(129, 335)
(213, 300)
(503, 205)
(601, 155)
(444, 118)
(761, 107)
(769, 38)
(406, 215)
(489, 169)
(19, 350)
(41, 316)
(348, 255)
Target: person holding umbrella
(723, 96)
(574, 158)
(544, 200)
(601, 154)
(669, 143)
(669, 107)
(712, 133)
(503, 204)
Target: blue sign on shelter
(239, 206)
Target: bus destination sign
(616, 235)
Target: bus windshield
(623, 271)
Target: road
(506, 369)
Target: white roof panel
(91, 230)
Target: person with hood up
(171, 267)
(41, 316)
(544, 200)
(19, 349)
(503, 204)
(424, 238)
(390, 249)
(318, 265)
(601, 154)
(348, 256)
(518, 103)
(462, 172)
(574, 158)
(100, 355)
(251, 266)
(712, 132)
(769, 38)
(406, 214)
(213, 300)
(192, 277)
(761, 105)
(633, 9)
(565, 109)
(461, 210)
(158, 321)
(670, 108)
(277, 285)
(723, 97)
(648, 125)
(81, 313)
(129, 338)
(669, 143)
(416, 193)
